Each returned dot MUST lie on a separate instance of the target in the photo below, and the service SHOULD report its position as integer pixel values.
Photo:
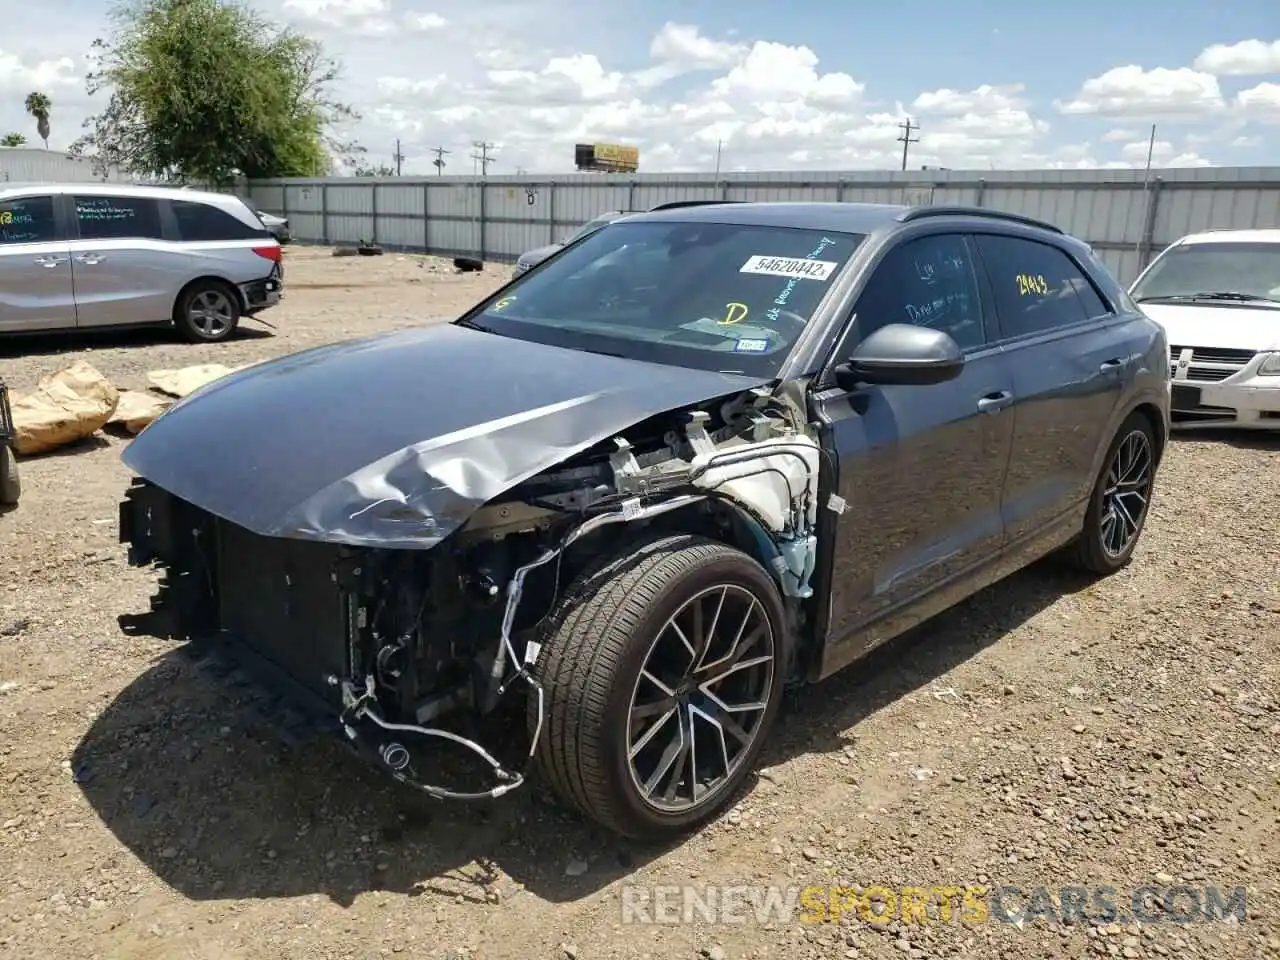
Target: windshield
(1240, 271)
(713, 296)
(591, 226)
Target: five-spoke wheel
(207, 312)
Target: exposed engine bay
(400, 643)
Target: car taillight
(271, 253)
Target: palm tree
(39, 105)
(13, 139)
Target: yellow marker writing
(735, 312)
(503, 304)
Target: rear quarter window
(203, 221)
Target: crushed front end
(406, 651)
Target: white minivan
(80, 256)
(1217, 295)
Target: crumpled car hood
(395, 440)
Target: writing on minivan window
(18, 226)
(102, 208)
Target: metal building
(32, 164)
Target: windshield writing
(1245, 269)
(713, 296)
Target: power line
(906, 139)
(399, 157)
(439, 162)
(482, 158)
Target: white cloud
(983, 99)
(1130, 91)
(1112, 136)
(1261, 102)
(425, 21)
(1244, 59)
(19, 76)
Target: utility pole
(719, 144)
(482, 157)
(1146, 192)
(399, 157)
(906, 139)
(438, 162)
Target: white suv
(1217, 294)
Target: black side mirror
(902, 354)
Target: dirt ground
(1047, 733)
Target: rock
(575, 868)
(716, 953)
(811, 853)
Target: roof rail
(676, 204)
(956, 210)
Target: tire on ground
(189, 329)
(1087, 551)
(594, 645)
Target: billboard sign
(606, 157)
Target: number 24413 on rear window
(1031, 285)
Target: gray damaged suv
(700, 456)
(80, 256)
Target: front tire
(10, 483)
(663, 672)
(1120, 501)
(207, 312)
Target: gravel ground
(1047, 733)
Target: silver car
(80, 256)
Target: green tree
(13, 139)
(203, 91)
(38, 105)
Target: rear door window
(27, 220)
(118, 218)
(203, 221)
(1037, 287)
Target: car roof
(843, 217)
(1232, 236)
(114, 190)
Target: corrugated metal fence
(1126, 220)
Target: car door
(36, 291)
(1070, 366)
(920, 469)
(124, 270)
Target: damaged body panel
(697, 458)
(395, 440)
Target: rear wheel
(1121, 500)
(207, 312)
(663, 673)
(10, 484)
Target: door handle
(49, 262)
(1113, 365)
(995, 402)
(89, 258)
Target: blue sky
(779, 86)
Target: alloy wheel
(211, 313)
(701, 697)
(1127, 493)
